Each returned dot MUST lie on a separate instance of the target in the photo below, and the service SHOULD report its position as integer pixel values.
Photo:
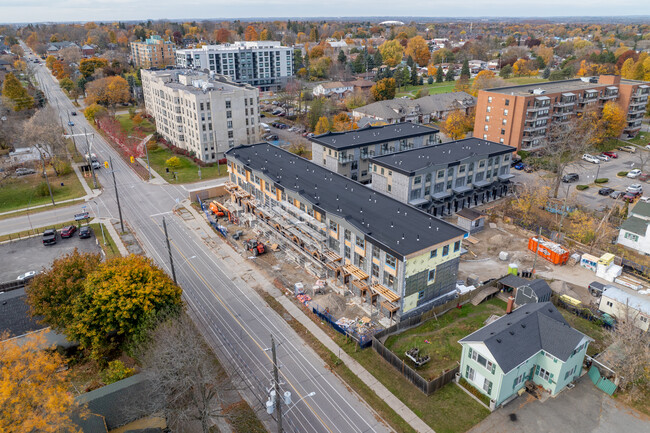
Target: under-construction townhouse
(397, 258)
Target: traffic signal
(106, 164)
(132, 160)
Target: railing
(345, 159)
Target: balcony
(535, 128)
(535, 108)
(608, 96)
(565, 104)
(366, 155)
(344, 159)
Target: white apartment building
(264, 64)
(205, 114)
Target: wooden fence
(426, 386)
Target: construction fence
(426, 386)
(364, 340)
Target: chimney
(511, 302)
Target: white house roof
(638, 302)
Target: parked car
(635, 188)
(70, 123)
(645, 199)
(27, 276)
(633, 174)
(603, 157)
(49, 237)
(270, 137)
(74, 113)
(276, 112)
(519, 166)
(570, 177)
(68, 231)
(611, 154)
(24, 171)
(590, 158)
(515, 161)
(85, 232)
(605, 191)
(616, 194)
(630, 197)
(630, 149)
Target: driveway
(31, 255)
(584, 409)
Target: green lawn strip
(442, 336)
(187, 172)
(37, 231)
(339, 368)
(127, 124)
(642, 139)
(110, 249)
(20, 192)
(449, 86)
(591, 329)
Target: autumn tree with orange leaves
(457, 124)
(33, 392)
(108, 91)
(418, 49)
(250, 34)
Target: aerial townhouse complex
(447, 177)
(348, 153)
(400, 259)
(155, 52)
(520, 116)
(206, 115)
(264, 64)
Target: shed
(471, 220)
(533, 292)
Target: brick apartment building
(155, 52)
(520, 116)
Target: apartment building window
(347, 234)
(489, 99)
(334, 227)
(375, 270)
(460, 182)
(487, 118)
(441, 174)
(227, 104)
(484, 136)
(501, 140)
(391, 261)
(504, 122)
(481, 164)
(432, 276)
(421, 294)
(507, 102)
(486, 128)
(445, 251)
(433, 253)
(503, 132)
(389, 280)
(505, 112)
(415, 194)
(428, 177)
(360, 242)
(390, 187)
(346, 252)
(375, 252)
(489, 109)
(228, 114)
(207, 105)
(229, 123)
(439, 187)
(231, 135)
(461, 169)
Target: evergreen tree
(414, 75)
(439, 75)
(342, 57)
(546, 72)
(464, 72)
(506, 72)
(450, 74)
(297, 60)
(378, 60)
(410, 62)
(14, 91)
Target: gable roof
(641, 209)
(335, 85)
(470, 214)
(516, 337)
(372, 135)
(14, 314)
(635, 225)
(428, 104)
(540, 287)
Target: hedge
(475, 392)
(602, 180)
(582, 187)
(622, 173)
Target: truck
(92, 160)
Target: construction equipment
(255, 247)
(216, 210)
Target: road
(236, 321)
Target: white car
(647, 146)
(635, 188)
(645, 199)
(27, 276)
(602, 157)
(633, 174)
(590, 158)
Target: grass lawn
(127, 124)
(21, 192)
(642, 139)
(443, 335)
(448, 86)
(598, 333)
(110, 249)
(188, 171)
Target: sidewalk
(116, 237)
(241, 266)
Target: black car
(49, 237)
(85, 232)
(74, 113)
(515, 161)
(570, 177)
(605, 191)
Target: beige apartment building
(520, 116)
(155, 52)
(204, 114)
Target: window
(481, 164)
(417, 180)
(469, 372)
(445, 250)
(487, 119)
(415, 194)
(543, 373)
(228, 114)
(441, 174)
(375, 270)
(421, 294)
(347, 252)
(333, 226)
(484, 136)
(504, 122)
(433, 254)
(610, 304)
(360, 242)
(390, 187)
(391, 261)
(461, 169)
(631, 236)
(457, 246)
(389, 280)
(432, 276)
(227, 104)
(375, 252)
(507, 102)
(519, 380)
(486, 127)
(487, 386)
(489, 99)
(505, 112)
(428, 177)
(503, 132)
(347, 234)
(229, 124)
(643, 319)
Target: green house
(534, 342)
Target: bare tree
(70, 54)
(43, 130)
(187, 383)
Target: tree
(612, 121)
(87, 67)
(322, 126)
(186, 383)
(450, 74)
(627, 69)
(485, 80)
(464, 71)
(108, 91)
(415, 78)
(222, 35)
(16, 95)
(418, 49)
(439, 75)
(119, 299)
(34, 394)
(265, 35)
(251, 34)
(94, 111)
(43, 129)
(174, 162)
(342, 122)
(66, 84)
(383, 89)
(392, 52)
(20, 65)
(342, 57)
(456, 125)
(505, 72)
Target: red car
(68, 231)
(631, 196)
(611, 154)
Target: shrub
(602, 180)
(523, 154)
(131, 112)
(430, 80)
(42, 190)
(582, 187)
(475, 392)
(137, 119)
(115, 372)
(173, 162)
(63, 167)
(152, 145)
(621, 173)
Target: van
(265, 127)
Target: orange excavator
(219, 210)
(255, 247)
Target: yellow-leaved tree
(456, 125)
(34, 396)
(383, 89)
(322, 126)
(392, 52)
(418, 49)
(342, 122)
(612, 120)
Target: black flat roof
(372, 135)
(397, 227)
(409, 161)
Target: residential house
(635, 230)
(422, 110)
(53, 47)
(333, 46)
(348, 153)
(374, 244)
(87, 50)
(532, 343)
(334, 89)
(447, 177)
(493, 65)
(626, 306)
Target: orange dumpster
(551, 251)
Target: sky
(20, 11)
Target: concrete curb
(116, 237)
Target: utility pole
(117, 195)
(563, 211)
(169, 248)
(276, 385)
(100, 222)
(90, 161)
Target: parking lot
(31, 255)
(588, 173)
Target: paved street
(236, 321)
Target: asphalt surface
(30, 254)
(236, 321)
